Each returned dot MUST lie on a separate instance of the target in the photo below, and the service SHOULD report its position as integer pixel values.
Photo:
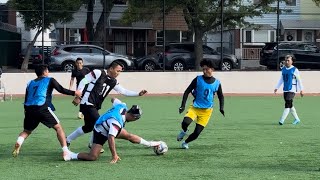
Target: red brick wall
(173, 21)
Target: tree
(31, 13)
(317, 2)
(201, 15)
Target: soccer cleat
(101, 151)
(154, 143)
(184, 145)
(16, 150)
(181, 135)
(297, 121)
(80, 115)
(66, 155)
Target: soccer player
(203, 88)
(36, 108)
(95, 87)
(110, 126)
(78, 74)
(291, 80)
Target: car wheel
(178, 66)
(68, 66)
(226, 65)
(281, 65)
(149, 66)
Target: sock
(20, 140)
(144, 142)
(75, 134)
(74, 155)
(285, 114)
(91, 140)
(294, 113)
(65, 148)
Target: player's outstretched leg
(22, 136)
(184, 125)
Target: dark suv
(306, 55)
(181, 56)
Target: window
(173, 36)
(80, 50)
(291, 2)
(248, 36)
(272, 36)
(96, 51)
(159, 38)
(74, 36)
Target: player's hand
(78, 93)
(115, 159)
(181, 109)
(222, 112)
(76, 101)
(275, 91)
(301, 93)
(143, 92)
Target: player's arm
(113, 132)
(186, 93)
(280, 82)
(126, 92)
(71, 82)
(55, 85)
(90, 77)
(221, 99)
(299, 81)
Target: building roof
(300, 24)
(113, 21)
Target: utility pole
(277, 33)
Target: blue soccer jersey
(204, 93)
(116, 112)
(288, 78)
(37, 92)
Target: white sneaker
(154, 143)
(66, 155)
(80, 115)
(184, 145)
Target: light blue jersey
(204, 93)
(113, 113)
(288, 77)
(37, 92)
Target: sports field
(247, 144)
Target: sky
(3, 1)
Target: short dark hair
(115, 64)
(39, 70)
(79, 59)
(206, 62)
(136, 111)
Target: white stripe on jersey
(107, 127)
(85, 98)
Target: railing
(251, 53)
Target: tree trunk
(100, 31)
(198, 33)
(24, 66)
(89, 22)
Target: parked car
(305, 54)
(35, 56)
(148, 63)
(64, 56)
(181, 56)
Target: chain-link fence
(106, 26)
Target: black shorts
(288, 96)
(99, 138)
(91, 115)
(36, 115)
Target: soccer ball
(161, 149)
